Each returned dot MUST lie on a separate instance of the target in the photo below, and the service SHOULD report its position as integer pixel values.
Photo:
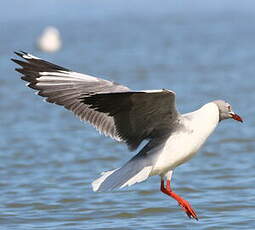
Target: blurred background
(203, 50)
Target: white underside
(181, 146)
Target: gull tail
(132, 172)
(136, 170)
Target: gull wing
(113, 109)
(138, 115)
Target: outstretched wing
(137, 115)
(111, 108)
(65, 87)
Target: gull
(131, 117)
(50, 40)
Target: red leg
(183, 203)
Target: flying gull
(130, 117)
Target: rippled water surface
(49, 158)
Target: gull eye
(229, 108)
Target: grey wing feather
(65, 87)
(138, 115)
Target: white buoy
(50, 40)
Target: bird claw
(188, 209)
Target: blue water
(203, 51)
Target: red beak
(236, 117)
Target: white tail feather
(96, 183)
(111, 182)
(139, 177)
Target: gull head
(226, 112)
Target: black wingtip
(20, 70)
(21, 53)
(24, 53)
(19, 62)
(35, 64)
(15, 60)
